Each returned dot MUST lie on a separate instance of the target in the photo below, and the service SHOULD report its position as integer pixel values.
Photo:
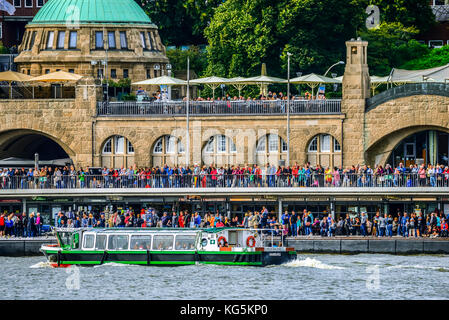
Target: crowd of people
(289, 224)
(227, 176)
(20, 226)
(159, 96)
(271, 96)
(380, 225)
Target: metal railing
(314, 180)
(441, 12)
(407, 90)
(208, 108)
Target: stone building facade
(365, 130)
(115, 41)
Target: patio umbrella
(58, 76)
(212, 82)
(235, 82)
(313, 80)
(261, 81)
(12, 76)
(162, 81)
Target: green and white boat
(164, 246)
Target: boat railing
(275, 237)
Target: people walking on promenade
(233, 176)
(290, 223)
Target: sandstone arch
(381, 150)
(24, 143)
(389, 123)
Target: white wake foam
(115, 264)
(43, 264)
(311, 263)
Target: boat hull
(64, 258)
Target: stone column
(356, 89)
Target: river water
(311, 276)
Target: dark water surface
(312, 276)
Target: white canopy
(162, 81)
(261, 80)
(313, 80)
(212, 82)
(437, 74)
(238, 84)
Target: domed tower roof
(91, 12)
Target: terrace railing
(344, 180)
(217, 108)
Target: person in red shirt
(444, 228)
(219, 224)
(2, 225)
(213, 173)
(181, 219)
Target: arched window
(219, 150)
(270, 149)
(166, 150)
(117, 152)
(325, 150)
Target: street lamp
(335, 64)
(187, 153)
(288, 108)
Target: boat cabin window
(100, 243)
(88, 241)
(185, 242)
(118, 242)
(163, 243)
(140, 243)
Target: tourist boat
(164, 246)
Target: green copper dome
(90, 12)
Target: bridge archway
(411, 145)
(25, 143)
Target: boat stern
(277, 256)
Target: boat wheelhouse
(164, 246)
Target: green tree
(180, 22)
(391, 45)
(434, 58)
(178, 59)
(409, 13)
(244, 33)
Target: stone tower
(356, 89)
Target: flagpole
(187, 114)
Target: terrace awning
(437, 74)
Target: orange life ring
(251, 242)
(222, 241)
